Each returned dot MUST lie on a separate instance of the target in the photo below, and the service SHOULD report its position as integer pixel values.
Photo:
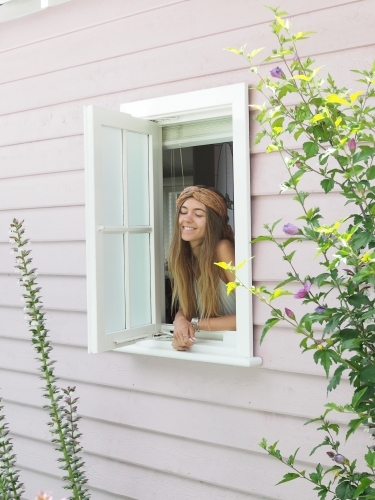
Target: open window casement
(123, 249)
(210, 116)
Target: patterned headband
(212, 200)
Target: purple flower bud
(289, 313)
(320, 310)
(277, 72)
(290, 229)
(338, 458)
(352, 144)
(301, 294)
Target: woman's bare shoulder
(225, 251)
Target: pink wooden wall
(153, 428)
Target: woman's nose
(187, 216)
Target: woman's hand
(184, 335)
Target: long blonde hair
(197, 276)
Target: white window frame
(11, 9)
(94, 119)
(236, 348)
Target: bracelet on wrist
(194, 324)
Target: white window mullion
(153, 264)
(126, 235)
(127, 281)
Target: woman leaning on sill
(201, 237)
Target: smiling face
(192, 221)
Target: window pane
(140, 279)
(114, 282)
(112, 173)
(138, 187)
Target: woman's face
(192, 221)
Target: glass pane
(112, 176)
(114, 282)
(140, 279)
(138, 187)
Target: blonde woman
(201, 237)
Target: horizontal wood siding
(152, 427)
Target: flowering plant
(333, 140)
(45, 496)
(61, 405)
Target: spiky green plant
(10, 486)
(61, 407)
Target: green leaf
(292, 458)
(278, 122)
(316, 477)
(234, 49)
(279, 292)
(368, 314)
(271, 148)
(361, 239)
(357, 396)
(317, 117)
(259, 137)
(366, 152)
(288, 477)
(285, 282)
(296, 177)
(261, 238)
(348, 334)
(370, 459)
(325, 358)
(317, 447)
(370, 174)
(335, 380)
(224, 265)
(363, 484)
(268, 325)
(355, 96)
(353, 426)
(358, 300)
(275, 224)
(327, 185)
(255, 52)
(291, 240)
(302, 35)
(307, 79)
(320, 280)
(290, 256)
(334, 406)
(311, 149)
(345, 490)
(231, 285)
(263, 443)
(334, 98)
(291, 126)
(367, 375)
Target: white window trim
(12, 9)
(236, 348)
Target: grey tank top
(227, 304)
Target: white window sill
(203, 350)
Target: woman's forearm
(221, 323)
